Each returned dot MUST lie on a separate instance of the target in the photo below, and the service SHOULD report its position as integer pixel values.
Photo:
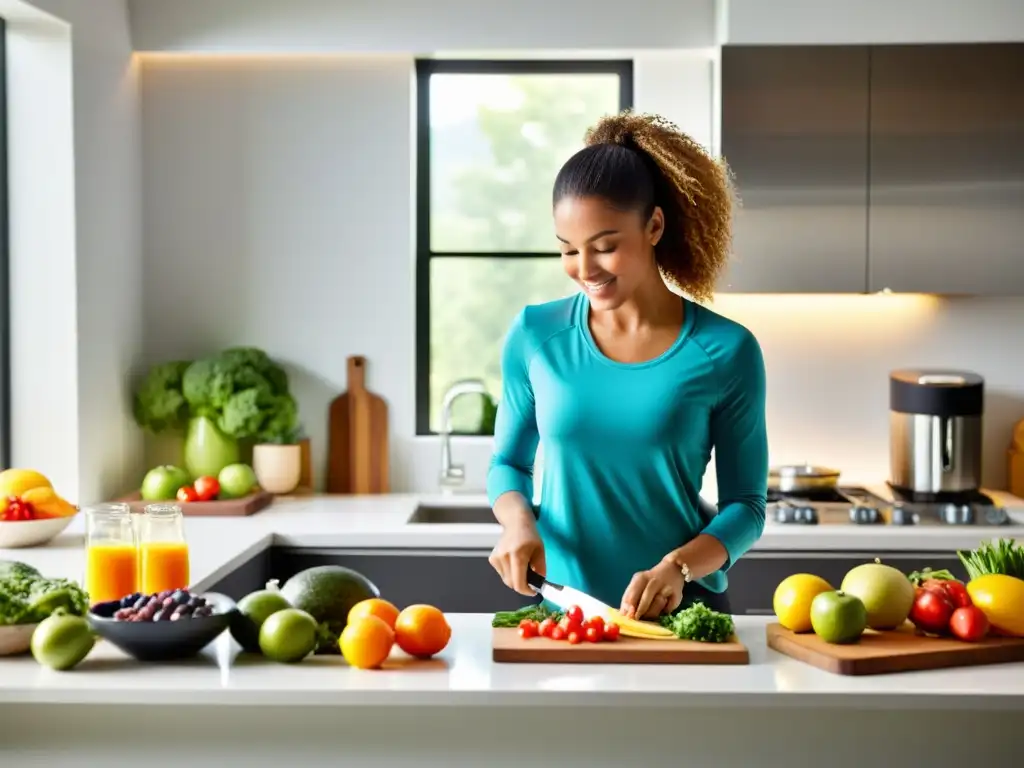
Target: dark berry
(140, 603)
(122, 613)
(167, 602)
(180, 597)
(163, 615)
(203, 610)
(195, 601)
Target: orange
(374, 606)
(366, 642)
(422, 630)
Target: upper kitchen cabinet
(795, 133)
(946, 210)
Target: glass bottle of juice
(111, 557)
(163, 549)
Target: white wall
(76, 236)
(277, 198)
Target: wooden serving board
(357, 432)
(508, 646)
(878, 653)
(242, 507)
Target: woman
(631, 386)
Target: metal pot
(800, 478)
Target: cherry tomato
(957, 593)
(594, 621)
(594, 635)
(611, 632)
(558, 633)
(575, 638)
(969, 623)
(931, 611)
(546, 627)
(206, 488)
(527, 629)
(574, 614)
(187, 493)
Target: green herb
(506, 619)
(698, 622)
(28, 599)
(1006, 557)
(917, 578)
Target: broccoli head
(158, 403)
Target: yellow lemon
(792, 601)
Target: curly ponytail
(638, 162)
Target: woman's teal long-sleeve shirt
(626, 445)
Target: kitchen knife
(565, 597)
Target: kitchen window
(5, 275)
(491, 135)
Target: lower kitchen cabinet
(462, 581)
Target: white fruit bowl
(16, 638)
(16, 534)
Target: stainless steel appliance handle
(946, 436)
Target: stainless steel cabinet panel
(946, 211)
(795, 132)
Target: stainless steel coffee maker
(935, 419)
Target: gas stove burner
(799, 515)
(860, 515)
(968, 514)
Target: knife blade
(564, 597)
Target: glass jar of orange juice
(163, 550)
(111, 557)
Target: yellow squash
(1001, 599)
(642, 629)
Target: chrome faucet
(454, 475)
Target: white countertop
(464, 673)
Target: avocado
(327, 593)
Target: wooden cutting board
(241, 507)
(508, 646)
(879, 653)
(357, 451)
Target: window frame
(426, 67)
(5, 267)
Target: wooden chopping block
(357, 437)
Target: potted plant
(220, 403)
(277, 461)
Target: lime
(61, 641)
(288, 635)
(254, 609)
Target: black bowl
(163, 640)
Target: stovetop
(854, 505)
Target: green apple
(236, 480)
(162, 483)
(837, 617)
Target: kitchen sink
(455, 514)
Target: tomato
(957, 593)
(594, 621)
(611, 632)
(187, 493)
(19, 510)
(558, 633)
(206, 487)
(528, 629)
(575, 638)
(931, 611)
(969, 623)
(593, 634)
(575, 615)
(545, 628)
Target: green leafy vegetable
(698, 622)
(28, 599)
(241, 389)
(917, 578)
(507, 619)
(1005, 557)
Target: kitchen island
(461, 709)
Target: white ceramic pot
(278, 468)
